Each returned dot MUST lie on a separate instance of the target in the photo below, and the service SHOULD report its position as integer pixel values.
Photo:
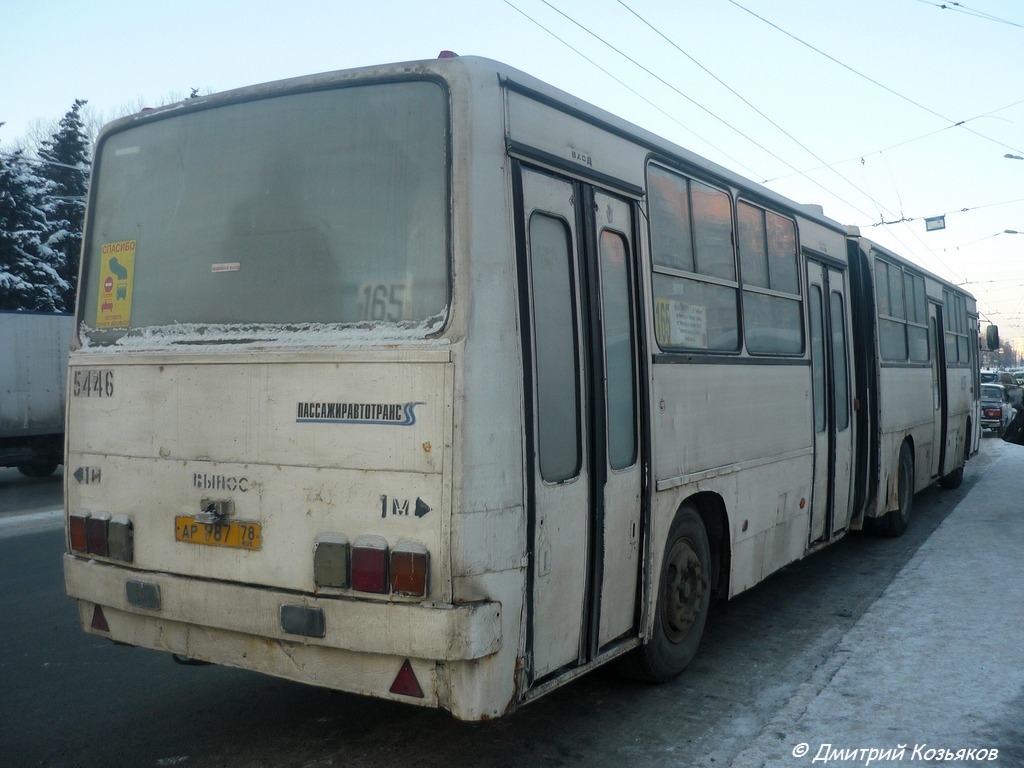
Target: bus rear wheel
(684, 594)
(955, 478)
(895, 522)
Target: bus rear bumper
(241, 626)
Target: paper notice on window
(689, 325)
(117, 272)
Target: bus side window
(694, 282)
(772, 311)
(818, 357)
(555, 342)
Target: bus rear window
(325, 208)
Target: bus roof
(480, 69)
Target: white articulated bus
(917, 373)
(430, 382)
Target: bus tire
(38, 468)
(956, 477)
(953, 479)
(684, 594)
(895, 522)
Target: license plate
(237, 534)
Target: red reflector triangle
(99, 621)
(406, 683)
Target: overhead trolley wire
(929, 110)
(628, 87)
(704, 109)
(953, 124)
(961, 8)
(20, 157)
(734, 92)
(903, 143)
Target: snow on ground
(937, 663)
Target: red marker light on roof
(447, 55)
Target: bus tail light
(96, 530)
(409, 562)
(102, 535)
(121, 538)
(330, 561)
(370, 564)
(76, 530)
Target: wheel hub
(683, 590)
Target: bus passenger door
(577, 303)
(940, 405)
(829, 316)
(619, 454)
(974, 438)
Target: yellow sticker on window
(117, 269)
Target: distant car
(996, 409)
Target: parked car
(1007, 380)
(996, 409)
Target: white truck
(33, 379)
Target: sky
(884, 112)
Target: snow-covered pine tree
(28, 278)
(66, 158)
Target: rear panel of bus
(262, 409)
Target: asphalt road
(70, 699)
(20, 494)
